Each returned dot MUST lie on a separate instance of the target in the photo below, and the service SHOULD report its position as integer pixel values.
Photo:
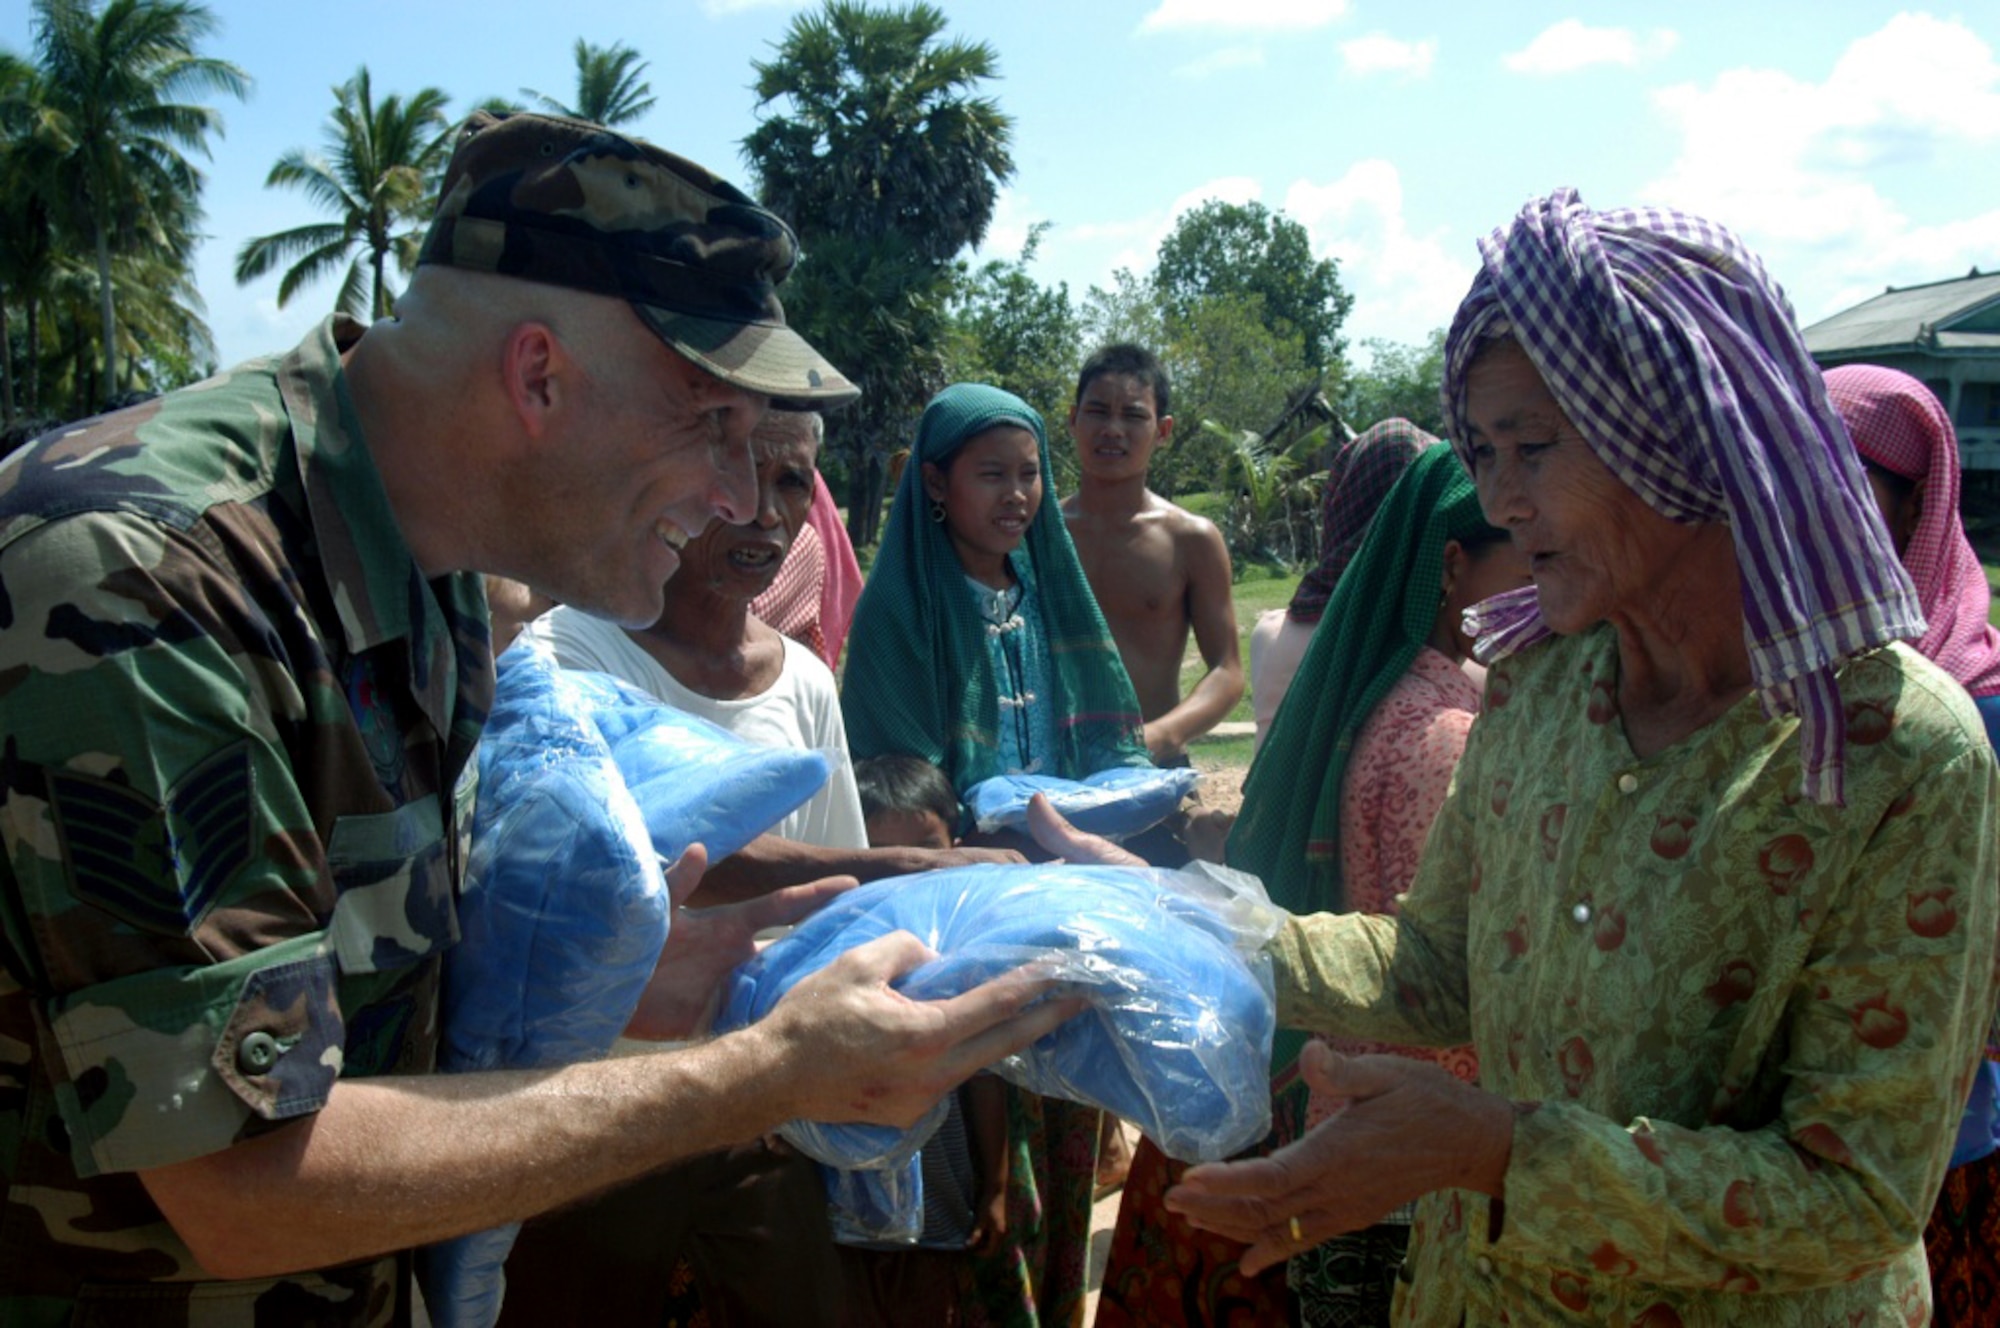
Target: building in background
(1946, 333)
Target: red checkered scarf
(1898, 425)
(1361, 475)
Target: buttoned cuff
(168, 1065)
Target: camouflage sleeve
(160, 862)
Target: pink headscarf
(1897, 424)
(842, 586)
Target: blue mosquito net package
(1177, 1038)
(737, 791)
(585, 786)
(1116, 803)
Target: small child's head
(906, 802)
(1120, 416)
(982, 456)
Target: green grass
(1261, 589)
(1214, 751)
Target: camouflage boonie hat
(562, 201)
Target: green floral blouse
(1748, 1021)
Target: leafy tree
(1244, 249)
(113, 80)
(1226, 364)
(888, 166)
(1401, 380)
(1273, 491)
(611, 86)
(378, 178)
(1015, 333)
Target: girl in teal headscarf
(977, 643)
(978, 646)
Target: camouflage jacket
(236, 717)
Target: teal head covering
(1381, 614)
(918, 676)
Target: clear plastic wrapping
(585, 786)
(1177, 1038)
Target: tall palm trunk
(6, 370)
(107, 314)
(33, 396)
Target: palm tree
(883, 134)
(113, 80)
(378, 177)
(1274, 492)
(27, 227)
(611, 86)
(887, 164)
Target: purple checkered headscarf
(1676, 356)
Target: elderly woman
(1910, 452)
(1714, 892)
(1379, 717)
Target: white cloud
(1404, 284)
(1800, 169)
(1134, 243)
(1570, 45)
(1222, 58)
(1246, 15)
(1379, 53)
(1013, 216)
(1768, 152)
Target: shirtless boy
(1158, 571)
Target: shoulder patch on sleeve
(156, 865)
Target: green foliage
(378, 179)
(1014, 333)
(1245, 250)
(1229, 357)
(112, 81)
(883, 136)
(611, 86)
(1227, 365)
(29, 195)
(876, 304)
(888, 166)
(1401, 380)
(1274, 494)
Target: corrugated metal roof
(1897, 318)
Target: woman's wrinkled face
(1594, 548)
(991, 489)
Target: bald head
(548, 435)
(450, 320)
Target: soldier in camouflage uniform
(243, 664)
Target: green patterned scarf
(1381, 614)
(918, 678)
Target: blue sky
(1854, 145)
